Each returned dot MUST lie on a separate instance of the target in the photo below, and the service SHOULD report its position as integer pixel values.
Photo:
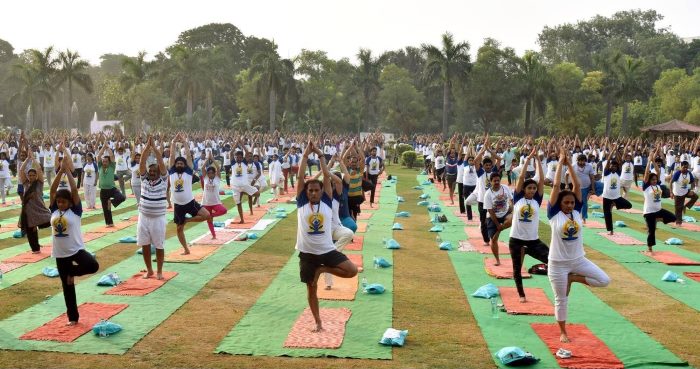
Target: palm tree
(73, 70)
(447, 65)
(185, 73)
(134, 71)
(275, 76)
(537, 86)
(368, 74)
(628, 83)
(32, 90)
(44, 65)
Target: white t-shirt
(611, 185)
(77, 160)
(681, 183)
(89, 170)
(373, 164)
(135, 175)
(122, 162)
(460, 172)
(526, 215)
(439, 162)
(49, 158)
(498, 200)
(211, 191)
(4, 169)
(239, 174)
(652, 198)
(567, 239)
(627, 171)
(181, 186)
(314, 225)
(65, 228)
(469, 178)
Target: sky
(94, 28)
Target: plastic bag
(670, 276)
(17, 234)
(50, 272)
(620, 224)
(397, 227)
(674, 241)
(109, 280)
(105, 328)
(374, 289)
(436, 228)
(434, 208)
(486, 291)
(515, 356)
(129, 239)
(219, 224)
(594, 206)
(403, 214)
(423, 203)
(418, 187)
(392, 244)
(597, 214)
(281, 215)
(140, 250)
(393, 337)
(689, 219)
(381, 262)
(252, 236)
(400, 199)
(424, 196)
(446, 246)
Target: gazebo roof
(673, 126)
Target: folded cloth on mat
(397, 227)
(374, 289)
(587, 349)
(106, 328)
(343, 289)
(331, 337)
(29, 257)
(486, 291)
(90, 314)
(670, 258)
(392, 244)
(674, 241)
(620, 224)
(381, 262)
(445, 246)
(403, 214)
(515, 356)
(670, 276)
(139, 286)
(356, 244)
(503, 271)
(621, 239)
(197, 254)
(536, 303)
(50, 272)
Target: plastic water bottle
(115, 277)
(102, 332)
(376, 262)
(364, 282)
(494, 308)
(438, 239)
(681, 281)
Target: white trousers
(90, 195)
(558, 273)
(342, 237)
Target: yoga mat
(90, 314)
(466, 246)
(222, 238)
(264, 328)
(670, 258)
(262, 224)
(503, 271)
(690, 227)
(248, 219)
(357, 260)
(139, 286)
(361, 227)
(29, 257)
(621, 238)
(632, 211)
(588, 351)
(8, 267)
(536, 303)
(356, 244)
(90, 236)
(330, 338)
(197, 254)
(631, 345)
(364, 216)
(593, 224)
(343, 289)
(693, 275)
(117, 227)
(473, 233)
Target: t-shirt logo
(60, 226)
(374, 165)
(656, 193)
(526, 213)
(250, 169)
(684, 183)
(88, 173)
(487, 183)
(499, 203)
(613, 184)
(2, 166)
(120, 161)
(239, 171)
(315, 224)
(628, 169)
(570, 230)
(179, 185)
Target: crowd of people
(162, 171)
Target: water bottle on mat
(494, 308)
(103, 328)
(364, 282)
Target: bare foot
(149, 274)
(241, 222)
(36, 252)
(498, 262)
(328, 288)
(70, 324)
(186, 252)
(611, 233)
(318, 329)
(564, 338)
(110, 226)
(523, 300)
(213, 237)
(160, 276)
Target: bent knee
(602, 281)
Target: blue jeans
(584, 199)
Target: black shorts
(309, 263)
(191, 208)
(451, 178)
(440, 172)
(354, 203)
(639, 169)
(491, 226)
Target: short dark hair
(313, 181)
(582, 157)
(529, 182)
(563, 194)
(495, 175)
(684, 163)
(487, 161)
(63, 194)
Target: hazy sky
(339, 27)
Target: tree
(629, 86)
(44, 65)
(33, 89)
(72, 70)
(402, 106)
(275, 77)
(134, 71)
(537, 87)
(368, 73)
(6, 51)
(677, 94)
(184, 72)
(446, 65)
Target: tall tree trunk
(445, 107)
(625, 113)
(209, 110)
(70, 102)
(273, 107)
(66, 110)
(608, 118)
(528, 114)
(189, 105)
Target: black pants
(518, 248)
(372, 178)
(105, 196)
(32, 235)
(620, 203)
(651, 218)
(460, 197)
(679, 202)
(227, 169)
(79, 264)
(510, 180)
(78, 173)
(482, 221)
(466, 191)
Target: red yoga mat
(361, 227)
(503, 271)
(90, 314)
(536, 303)
(248, 220)
(138, 286)
(331, 337)
(357, 260)
(364, 216)
(221, 238)
(29, 257)
(7, 267)
(670, 258)
(621, 239)
(356, 244)
(593, 224)
(587, 350)
(693, 275)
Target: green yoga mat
(144, 312)
(264, 328)
(629, 344)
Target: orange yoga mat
(361, 227)
(331, 337)
(221, 238)
(632, 211)
(90, 314)
(357, 260)
(117, 227)
(8, 228)
(588, 351)
(594, 224)
(7, 267)
(29, 257)
(343, 289)
(197, 254)
(471, 223)
(503, 271)
(248, 220)
(670, 258)
(139, 286)
(364, 216)
(689, 226)
(621, 239)
(693, 275)
(280, 200)
(466, 246)
(473, 233)
(478, 246)
(356, 244)
(536, 303)
(365, 206)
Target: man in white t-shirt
(682, 184)
(317, 253)
(152, 209)
(498, 201)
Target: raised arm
(144, 156)
(301, 183)
(575, 182)
(326, 173)
(54, 184)
(554, 195)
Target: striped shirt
(153, 201)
